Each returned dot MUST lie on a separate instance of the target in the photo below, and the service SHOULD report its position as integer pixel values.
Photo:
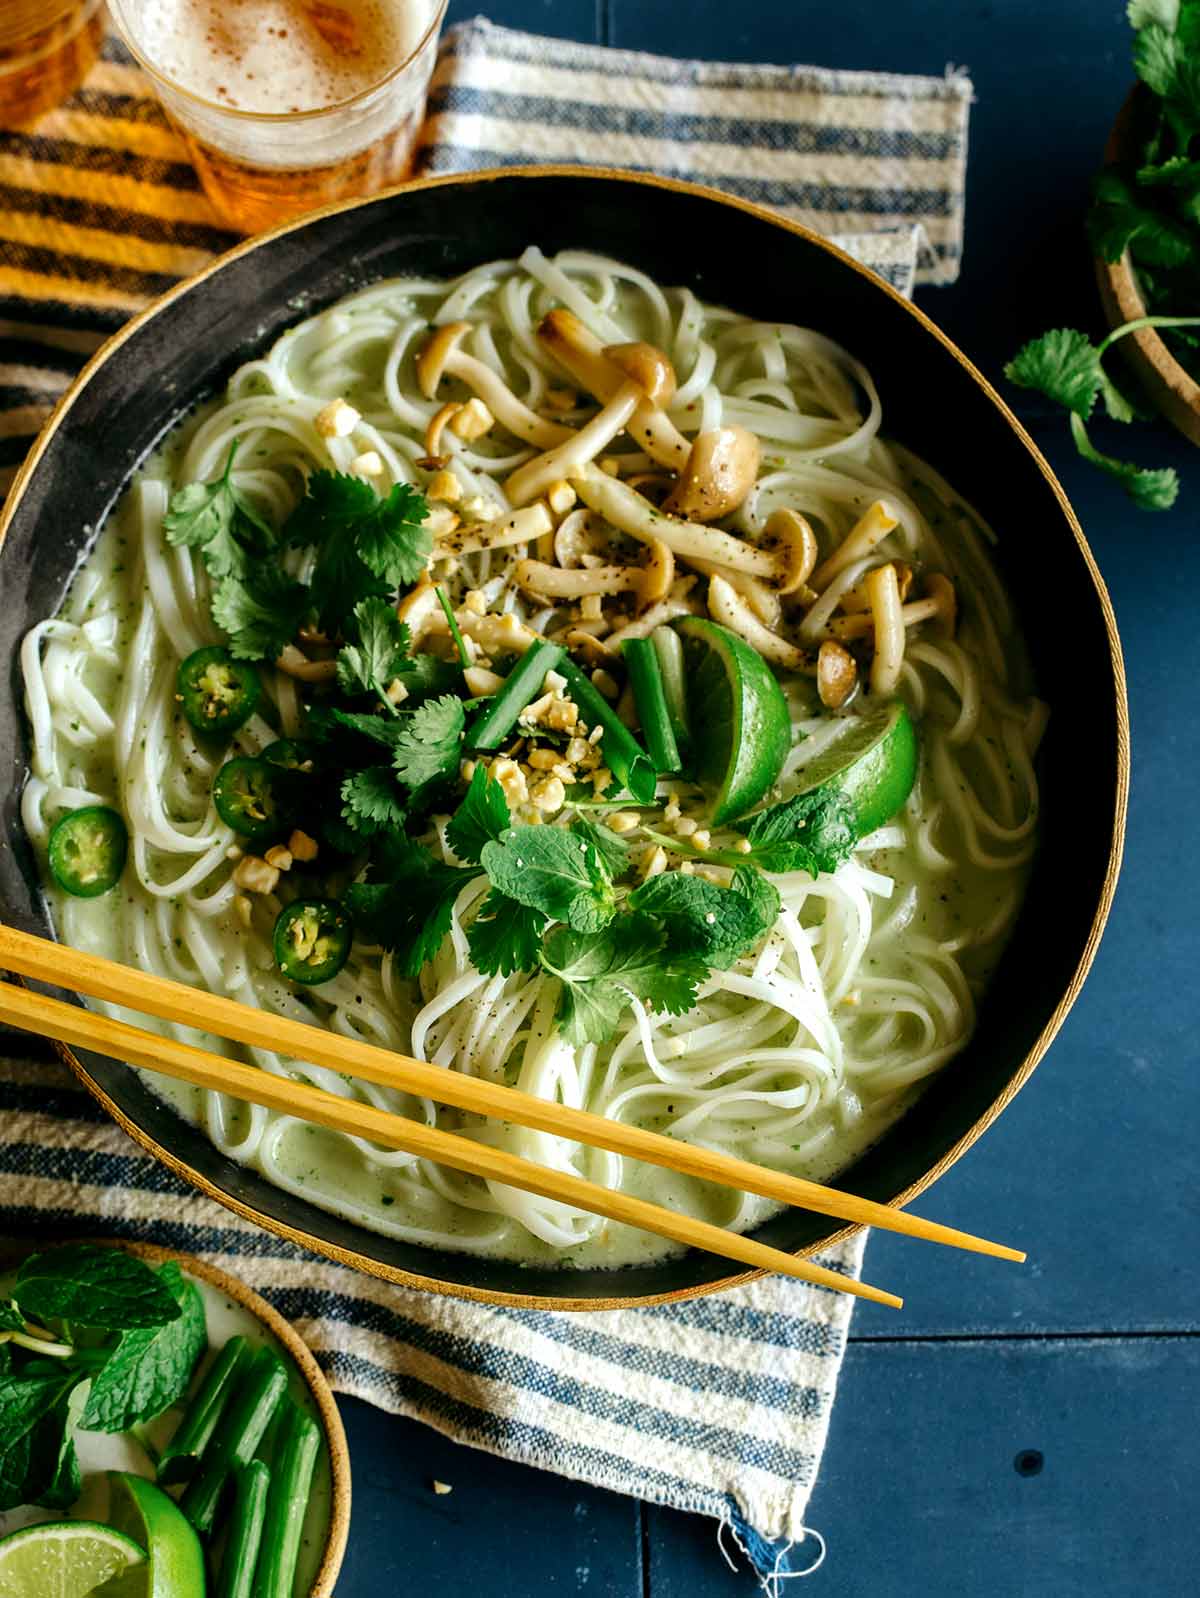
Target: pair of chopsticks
(45, 961)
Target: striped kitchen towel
(720, 1405)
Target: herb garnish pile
(92, 1339)
(1149, 206)
(385, 739)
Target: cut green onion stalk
(237, 1436)
(251, 1484)
(521, 687)
(649, 695)
(296, 1447)
(623, 755)
(181, 1457)
(668, 646)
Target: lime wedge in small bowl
(175, 1560)
(872, 762)
(69, 1558)
(740, 727)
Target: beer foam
(280, 55)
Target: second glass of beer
(287, 105)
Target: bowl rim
(564, 1301)
(298, 1352)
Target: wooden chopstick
(80, 1028)
(47, 961)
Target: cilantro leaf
(11, 1319)
(1063, 365)
(429, 743)
(811, 832)
(219, 520)
(613, 850)
(381, 729)
(1178, 172)
(1149, 489)
(602, 973)
(1117, 220)
(96, 1287)
(370, 796)
(554, 871)
(713, 923)
(380, 653)
(393, 544)
(425, 676)
(505, 936)
(409, 912)
(260, 611)
(1143, 12)
(481, 818)
(150, 1367)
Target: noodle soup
(602, 465)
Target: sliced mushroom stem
(728, 607)
(635, 515)
(577, 348)
(443, 357)
(536, 476)
(856, 598)
(720, 472)
(887, 615)
(763, 601)
(572, 583)
(295, 663)
(518, 527)
(875, 524)
(862, 622)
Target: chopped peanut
(686, 868)
(473, 421)
(279, 856)
(743, 846)
(234, 852)
(548, 794)
(368, 464)
(686, 826)
(562, 715)
(242, 908)
(302, 847)
(554, 682)
(623, 820)
(653, 862)
(337, 419)
(512, 780)
(479, 679)
(591, 607)
(601, 778)
(672, 811)
(467, 769)
(701, 839)
(475, 600)
(543, 759)
(255, 875)
(577, 749)
(397, 693)
(444, 485)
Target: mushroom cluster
(607, 545)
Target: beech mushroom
(649, 380)
(443, 357)
(729, 607)
(762, 599)
(580, 539)
(720, 472)
(295, 663)
(576, 347)
(437, 426)
(875, 524)
(884, 593)
(649, 583)
(635, 515)
(939, 604)
(836, 674)
(791, 534)
(856, 598)
(518, 527)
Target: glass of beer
(46, 48)
(287, 105)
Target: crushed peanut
(543, 759)
(554, 682)
(234, 852)
(686, 826)
(549, 794)
(473, 421)
(562, 715)
(444, 485)
(255, 875)
(467, 769)
(279, 856)
(623, 820)
(475, 600)
(701, 839)
(591, 607)
(601, 778)
(686, 868)
(672, 811)
(653, 862)
(301, 846)
(743, 846)
(242, 908)
(511, 779)
(577, 751)
(337, 419)
(368, 464)
(560, 497)
(397, 693)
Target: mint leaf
(481, 818)
(261, 611)
(1063, 365)
(94, 1287)
(410, 910)
(505, 936)
(715, 924)
(811, 832)
(429, 744)
(602, 973)
(150, 1367)
(56, 1478)
(612, 850)
(1149, 489)
(25, 1402)
(371, 796)
(556, 872)
(380, 653)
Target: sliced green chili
(87, 850)
(217, 693)
(246, 794)
(312, 940)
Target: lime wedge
(872, 762)
(176, 1560)
(66, 1558)
(741, 730)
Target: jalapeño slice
(246, 799)
(312, 940)
(291, 754)
(87, 850)
(217, 693)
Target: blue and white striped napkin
(720, 1405)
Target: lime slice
(176, 1560)
(66, 1558)
(872, 761)
(741, 730)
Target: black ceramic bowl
(734, 254)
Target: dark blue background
(1088, 1356)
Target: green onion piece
(246, 1524)
(296, 1448)
(623, 755)
(464, 659)
(668, 646)
(238, 1435)
(521, 687)
(649, 695)
(181, 1457)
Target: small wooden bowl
(1172, 391)
(296, 1350)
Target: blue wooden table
(1015, 1433)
